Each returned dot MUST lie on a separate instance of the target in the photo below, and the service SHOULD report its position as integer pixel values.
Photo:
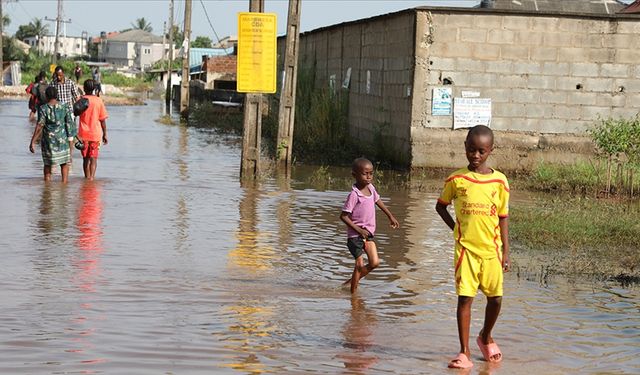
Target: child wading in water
(52, 128)
(359, 213)
(481, 199)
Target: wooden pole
(169, 91)
(1, 44)
(252, 122)
(286, 113)
(184, 86)
(55, 47)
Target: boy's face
(363, 174)
(478, 148)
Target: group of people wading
(51, 106)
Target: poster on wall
(469, 112)
(442, 100)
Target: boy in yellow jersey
(481, 200)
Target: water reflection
(359, 337)
(89, 222)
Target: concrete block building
(550, 74)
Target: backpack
(40, 93)
(80, 106)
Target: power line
(210, 24)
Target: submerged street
(166, 264)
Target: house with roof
(68, 46)
(540, 73)
(132, 49)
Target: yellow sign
(256, 68)
(52, 67)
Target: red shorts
(91, 149)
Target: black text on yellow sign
(256, 68)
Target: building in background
(539, 78)
(131, 50)
(69, 46)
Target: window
(147, 51)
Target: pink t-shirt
(362, 209)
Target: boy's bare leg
(361, 269)
(85, 167)
(490, 317)
(356, 275)
(464, 321)
(47, 172)
(64, 169)
(93, 165)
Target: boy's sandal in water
(460, 361)
(489, 351)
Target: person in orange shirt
(481, 199)
(93, 129)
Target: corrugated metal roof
(633, 8)
(196, 54)
(564, 6)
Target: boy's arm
(504, 236)
(392, 220)
(344, 216)
(441, 209)
(103, 124)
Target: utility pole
(184, 86)
(58, 20)
(1, 45)
(287, 108)
(252, 122)
(169, 91)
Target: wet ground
(167, 265)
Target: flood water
(167, 265)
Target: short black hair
(51, 92)
(359, 163)
(480, 130)
(89, 86)
(58, 69)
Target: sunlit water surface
(167, 265)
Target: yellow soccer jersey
(479, 201)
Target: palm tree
(142, 24)
(39, 28)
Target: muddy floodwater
(167, 265)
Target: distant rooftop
(560, 6)
(137, 36)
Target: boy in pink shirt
(359, 214)
(93, 130)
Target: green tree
(10, 52)
(142, 24)
(202, 42)
(34, 28)
(178, 36)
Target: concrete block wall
(380, 55)
(548, 76)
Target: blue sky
(94, 16)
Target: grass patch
(583, 236)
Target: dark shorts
(356, 246)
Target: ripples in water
(166, 264)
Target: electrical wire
(210, 24)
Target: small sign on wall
(469, 112)
(442, 101)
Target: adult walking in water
(97, 77)
(67, 95)
(92, 130)
(54, 119)
(77, 71)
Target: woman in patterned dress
(54, 121)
